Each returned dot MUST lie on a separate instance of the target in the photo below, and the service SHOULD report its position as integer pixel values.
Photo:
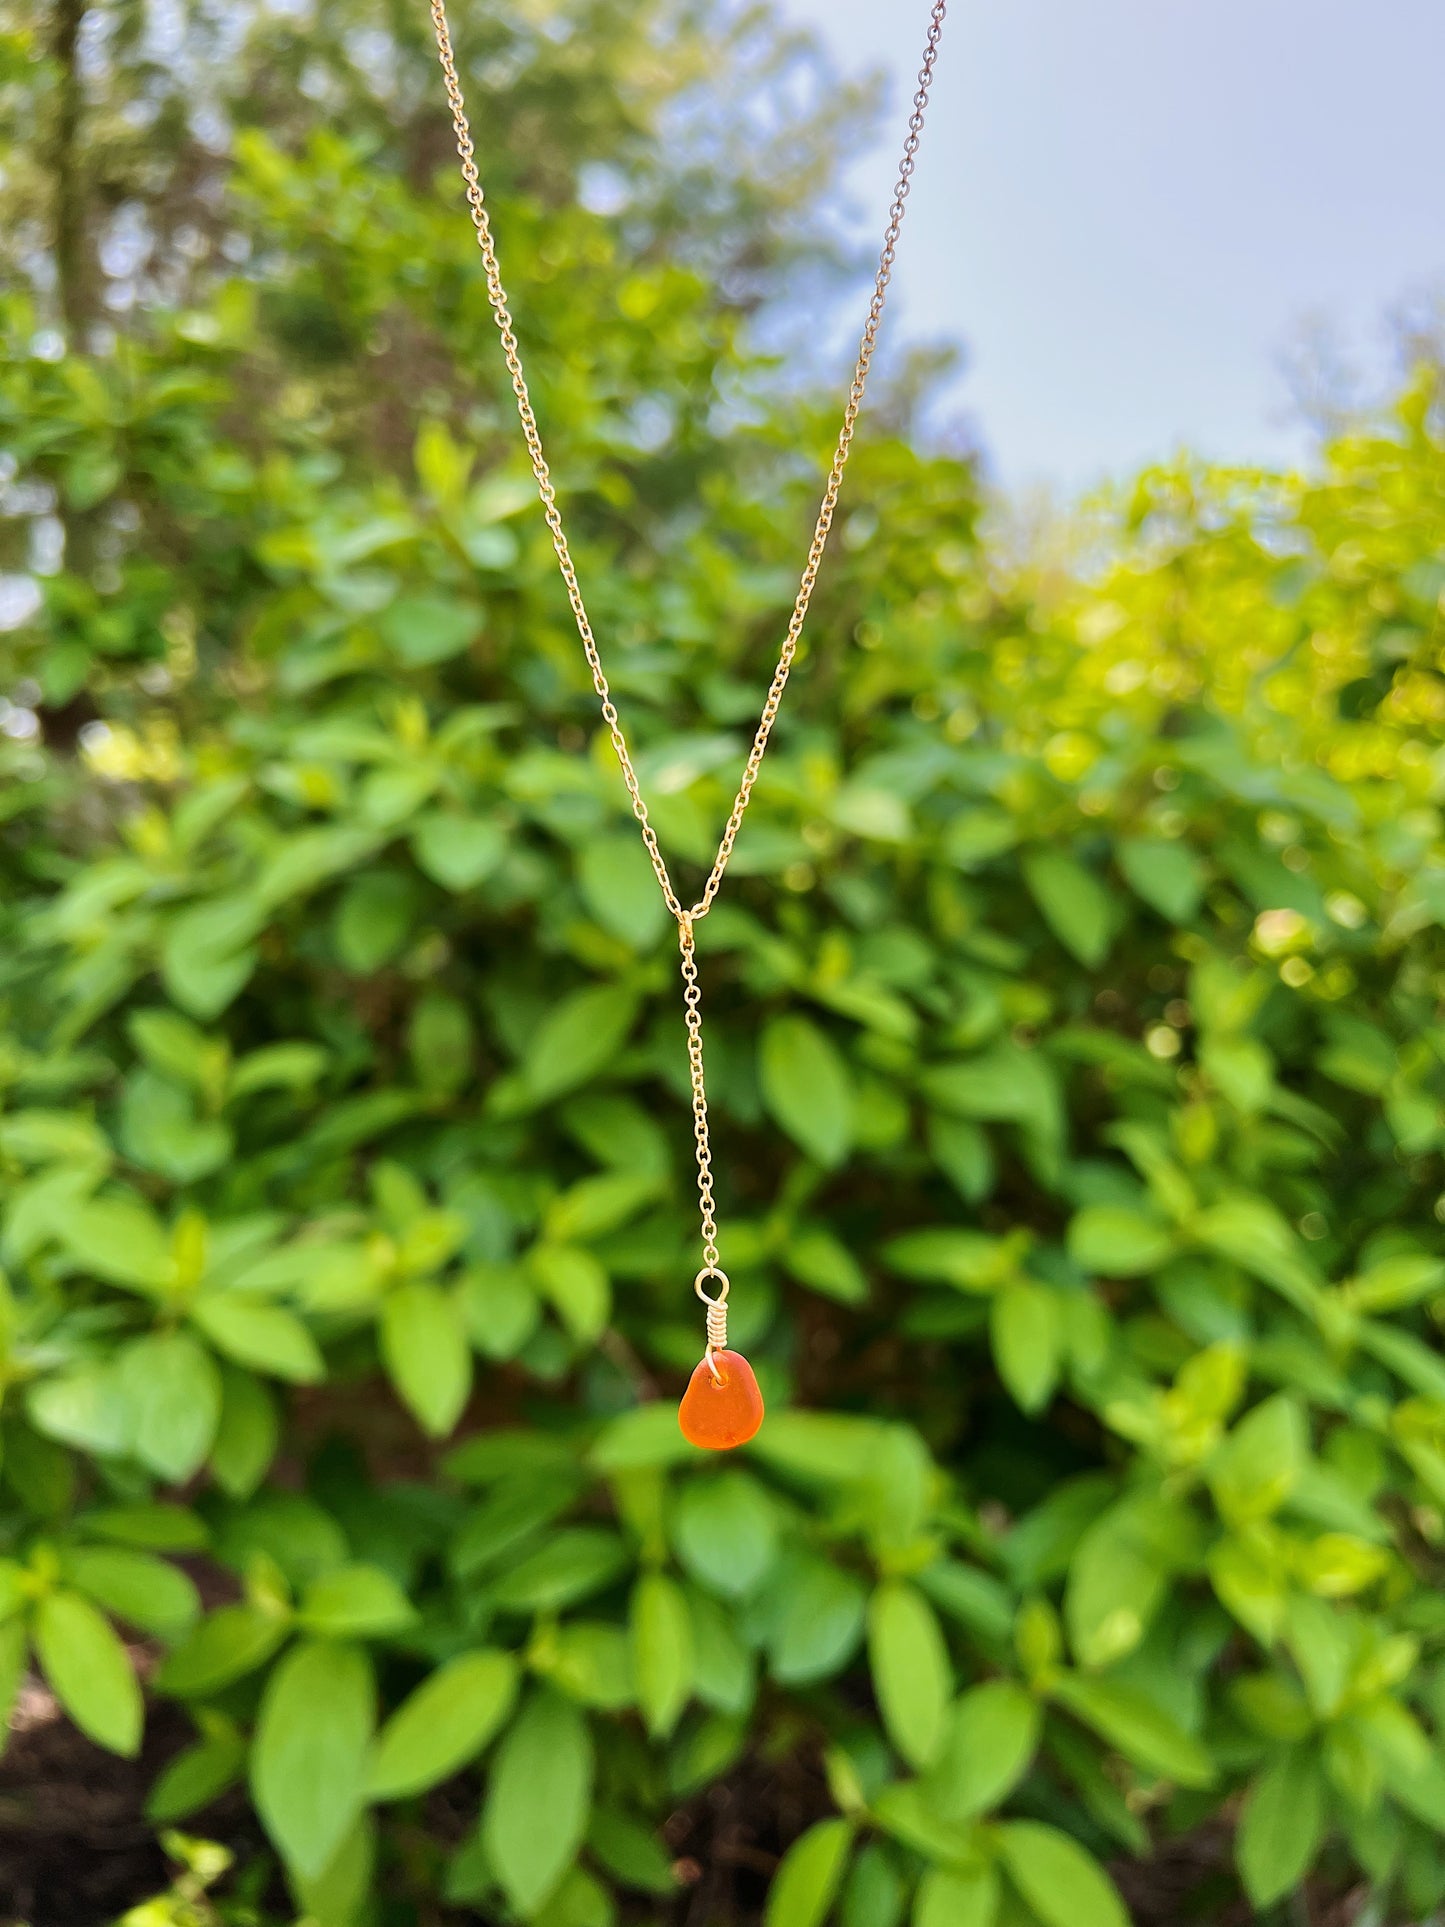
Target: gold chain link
(692, 1006)
(687, 917)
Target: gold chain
(685, 917)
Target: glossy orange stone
(718, 1417)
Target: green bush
(1075, 1054)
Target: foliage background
(1073, 1021)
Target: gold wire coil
(717, 1315)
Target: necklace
(722, 1406)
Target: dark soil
(75, 1847)
(728, 1841)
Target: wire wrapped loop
(717, 1315)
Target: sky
(1131, 211)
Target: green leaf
(288, 1529)
(1145, 1733)
(599, 1204)
(647, 1435)
(726, 1531)
(174, 1391)
(1323, 1643)
(1255, 1469)
(576, 1285)
(247, 1436)
(824, 1264)
(1253, 1583)
(510, 1518)
(426, 1353)
(1397, 1282)
(1240, 1068)
(874, 1895)
(458, 852)
(630, 1852)
(354, 1602)
(1252, 1233)
(264, 1336)
(312, 857)
(912, 1676)
(1065, 1886)
(309, 1754)
(991, 1737)
(160, 1131)
(975, 1599)
(225, 1646)
(1417, 1365)
(1167, 875)
(1075, 905)
(1079, 1759)
(120, 1241)
(337, 1895)
(970, 1261)
(45, 1137)
(1420, 1789)
(443, 466)
(136, 1586)
(86, 1408)
(577, 1038)
(373, 920)
(90, 476)
(620, 890)
(208, 953)
(824, 1448)
(902, 1810)
(155, 1528)
(89, 1671)
(443, 1725)
(1281, 1828)
(1006, 1083)
(662, 1651)
(726, 1673)
(821, 1622)
(955, 1899)
(806, 1087)
(391, 796)
(574, 1563)
(1119, 1572)
(878, 813)
(425, 629)
(591, 1661)
(1026, 1331)
(809, 1876)
(197, 1776)
(284, 1067)
(538, 1799)
(1272, 1704)
(1114, 1242)
(961, 1150)
(580, 1900)
(500, 1308)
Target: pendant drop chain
(722, 1406)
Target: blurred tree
(153, 155)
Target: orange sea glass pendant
(719, 1413)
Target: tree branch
(73, 272)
